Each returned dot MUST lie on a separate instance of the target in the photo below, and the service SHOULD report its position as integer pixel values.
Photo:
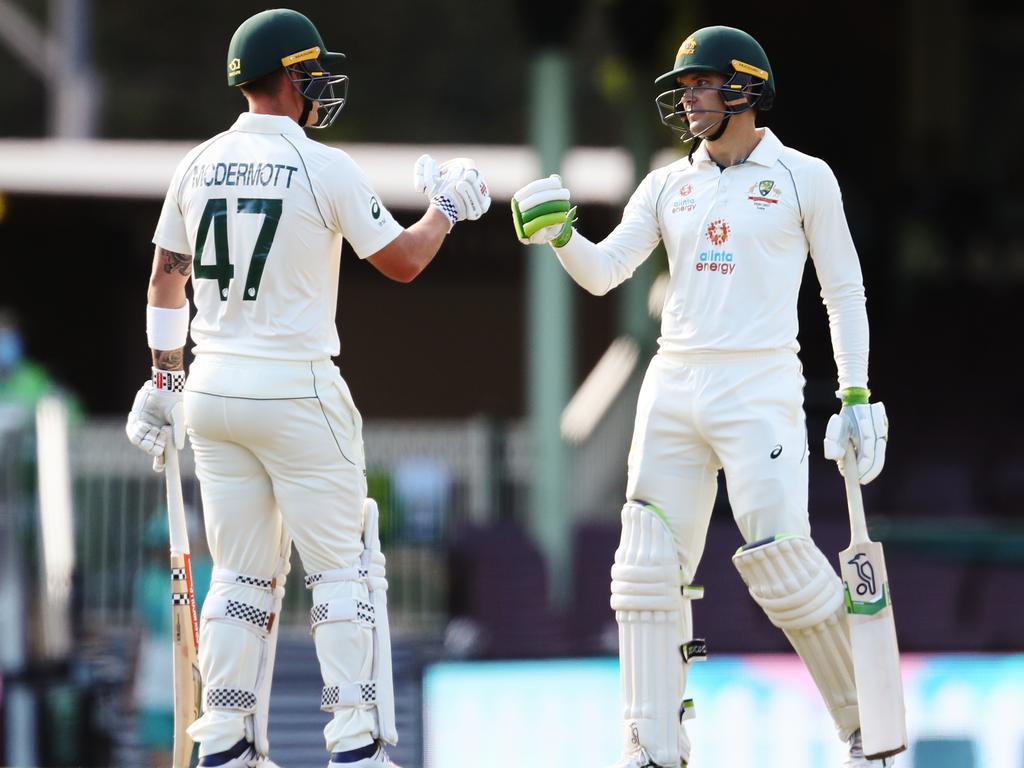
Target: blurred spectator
(152, 688)
(24, 382)
(422, 496)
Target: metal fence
(426, 478)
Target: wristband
(170, 381)
(854, 395)
(167, 328)
(444, 204)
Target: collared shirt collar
(253, 123)
(768, 149)
(765, 153)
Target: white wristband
(167, 329)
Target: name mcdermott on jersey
(242, 174)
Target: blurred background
(498, 397)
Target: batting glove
(157, 416)
(426, 177)
(542, 213)
(456, 188)
(866, 426)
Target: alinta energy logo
(764, 194)
(716, 259)
(718, 231)
(686, 202)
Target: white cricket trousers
(279, 455)
(742, 412)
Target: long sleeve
(839, 273)
(600, 267)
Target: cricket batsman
(738, 218)
(255, 217)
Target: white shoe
(242, 755)
(857, 759)
(640, 759)
(378, 759)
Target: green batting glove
(542, 213)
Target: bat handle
(175, 501)
(854, 499)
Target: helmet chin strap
(307, 107)
(722, 125)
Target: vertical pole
(634, 317)
(550, 353)
(74, 95)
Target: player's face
(701, 99)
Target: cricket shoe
(640, 759)
(242, 755)
(857, 759)
(370, 756)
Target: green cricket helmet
(730, 52)
(285, 38)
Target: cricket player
(256, 217)
(738, 217)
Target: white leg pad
(237, 650)
(350, 627)
(646, 601)
(793, 582)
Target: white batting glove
(867, 426)
(426, 176)
(158, 415)
(542, 213)
(456, 188)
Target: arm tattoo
(172, 261)
(169, 360)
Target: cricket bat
(184, 627)
(876, 654)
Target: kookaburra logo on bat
(866, 572)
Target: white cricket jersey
(263, 211)
(737, 240)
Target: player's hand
(456, 188)
(542, 213)
(867, 427)
(156, 419)
(426, 176)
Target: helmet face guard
(741, 85)
(315, 84)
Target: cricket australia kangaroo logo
(866, 574)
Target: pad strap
(225, 576)
(343, 609)
(230, 699)
(218, 607)
(355, 573)
(361, 694)
(694, 650)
